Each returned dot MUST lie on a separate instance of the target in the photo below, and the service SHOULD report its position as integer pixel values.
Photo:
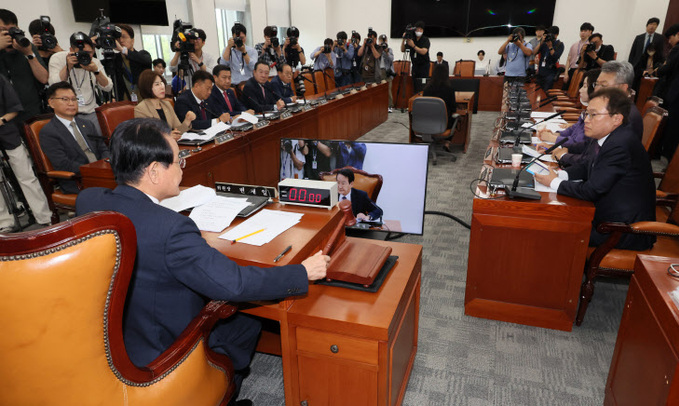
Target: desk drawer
(337, 346)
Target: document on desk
(191, 197)
(206, 134)
(539, 187)
(533, 153)
(262, 227)
(245, 118)
(536, 140)
(218, 213)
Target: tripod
(187, 70)
(402, 74)
(11, 192)
(112, 70)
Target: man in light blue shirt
(517, 53)
(344, 53)
(323, 57)
(239, 57)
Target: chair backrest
(464, 68)
(111, 114)
(330, 79)
(319, 80)
(574, 85)
(32, 128)
(367, 182)
(652, 123)
(309, 84)
(652, 101)
(63, 290)
(402, 67)
(429, 116)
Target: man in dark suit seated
(222, 98)
(196, 100)
(618, 178)
(280, 85)
(67, 140)
(176, 271)
(361, 205)
(256, 93)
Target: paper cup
(516, 160)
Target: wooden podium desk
(339, 346)
(645, 365)
(526, 257)
(253, 157)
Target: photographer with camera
(42, 32)
(356, 60)
(550, 50)
(79, 67)
(294, 53)
(270, 51)
(595, 54)
(418, 44)
(344, 53)
(197, 59)
(370, 53)
(535, 45)
(518, 54)
(22, 64)
(387, 66)
(128, 63)
(238, 56)
(323, 56)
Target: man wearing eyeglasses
(69, 141)
(618, 177)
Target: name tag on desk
(323, 101)
(261, 124)
(286, 114)
(307, 107)
(223, 138)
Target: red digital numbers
(302, 195)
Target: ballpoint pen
(285, 251)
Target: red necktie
(203, 115)
(228, 103)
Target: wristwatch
(4, 120)
(31, 56)
(245, 53)
(96, 73)
(201, 64)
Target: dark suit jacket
(253, 98)
(177, 272)
(218, 104)
(63, 150)
(187, 102)
(443, 62)
(638, 47)
(619, 181)
(606, 52)
(361, 203)
(281, 90)
(669, 77)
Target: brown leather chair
(329, 78)
(402, 67)
(652, 101)
(111, 114)
(48, 177)
(464, 68)
(571, 95)
(367, 182)
(653, 124)
(319, 80)
(309, 84)
(63, 295)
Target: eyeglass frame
(66, 99)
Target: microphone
(517, 141)
(527, 193)
(547, 101)
(259, 108)
(205, 106)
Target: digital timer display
(319, 197)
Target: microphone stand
(524, 192)
(517, 141)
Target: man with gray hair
(621, 75)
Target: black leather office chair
(429, 121)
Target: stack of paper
(191, 197)
(245, 118)
(262, 227)
(533, 153)
(206, 134)
(218, 213)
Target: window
(158, 46)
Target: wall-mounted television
(403, 168)
(479, 18)
(145, 12)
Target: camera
(275, 42)
(410, 32)
(590, 48)
(515, 37)
(327, 48)
(19, 36)
(236, 30)
(183, 33)
(548, 37)
(84, 58)
(49, 41)
(287, 146)
(106, 33)
(385, 46)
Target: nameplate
(261, 124)
(184, 153)
(223, 138)
(307, 107)
(340, 96)
(353, 91)
(286, 114)
(246, 190)
(323, 101)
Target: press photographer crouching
(518, 55)
(80, 67)
(418, 45)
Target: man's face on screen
(343, 185)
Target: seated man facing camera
(361, 205)
(176, 271)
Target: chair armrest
(658, 175)
(641, 227)
(62, 175)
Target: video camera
(183, 33)
(106, 33)
(19, 36)
(49, 41)
(84, 58)
(410, 32)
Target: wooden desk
(253, 157)
(375, 334)
(526, 257)
(646, 357)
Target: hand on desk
(176, 134)
(546, 135)
(316, 266)
(546, 179)
(362, 216)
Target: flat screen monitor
(479, 18)
(403, 168)
(145, 12)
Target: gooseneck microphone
(527, 193)
(517, 141)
